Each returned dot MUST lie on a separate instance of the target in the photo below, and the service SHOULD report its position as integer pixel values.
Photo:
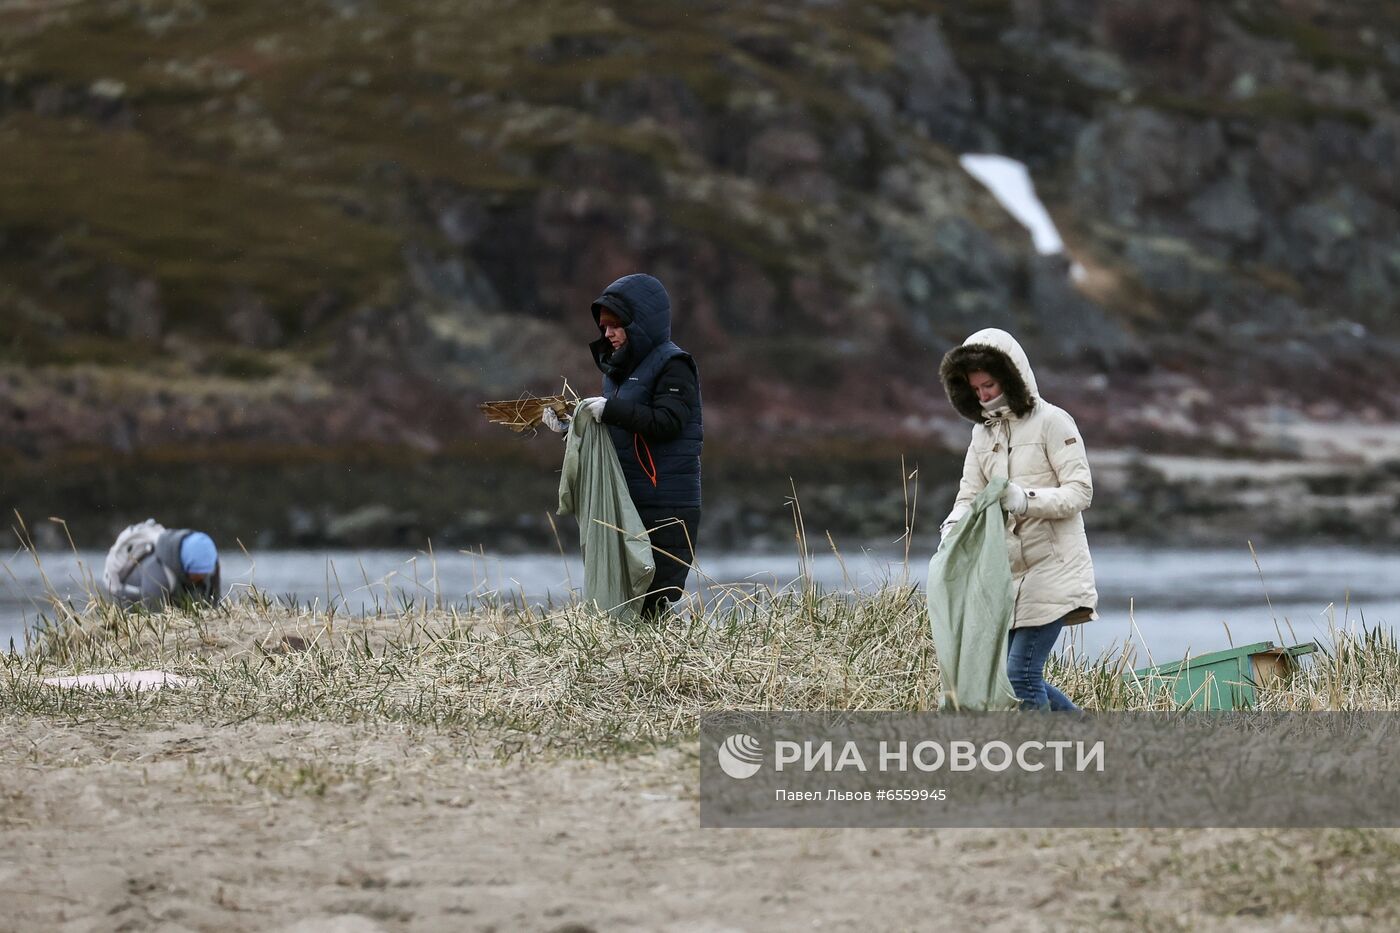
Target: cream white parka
(1043, 453)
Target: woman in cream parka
(1037, 447)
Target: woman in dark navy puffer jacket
(651, 406)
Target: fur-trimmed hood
(996, 353)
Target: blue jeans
(1027, 651)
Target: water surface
(1165, 602)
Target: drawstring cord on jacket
(649, 465)
(640, 446)
(1001, 424)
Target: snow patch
(1010, 183)
(122, 680)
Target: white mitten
(944, 529)
(1013, 499)
(593, 407)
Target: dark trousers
(673, 532)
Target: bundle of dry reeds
(524, 413)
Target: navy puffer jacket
(653, 390)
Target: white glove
(554, 422)
(1013, 499)
(958, 514)
(593, 407)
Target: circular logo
(740, 756)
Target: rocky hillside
(325, 224)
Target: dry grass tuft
(569, 678)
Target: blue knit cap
(198, 554)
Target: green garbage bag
(970, 604)
(617, 565)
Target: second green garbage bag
(970, 603)
(617, 565)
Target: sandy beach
(528, 772)
(318, 827)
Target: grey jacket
(161, 579)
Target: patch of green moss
(236, 363)
(76, 349)
(97, 41)
(1267, 105)
(942, 7)
(198, 228)
(1314, 44)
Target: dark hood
(996, 353)
(641, 303)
